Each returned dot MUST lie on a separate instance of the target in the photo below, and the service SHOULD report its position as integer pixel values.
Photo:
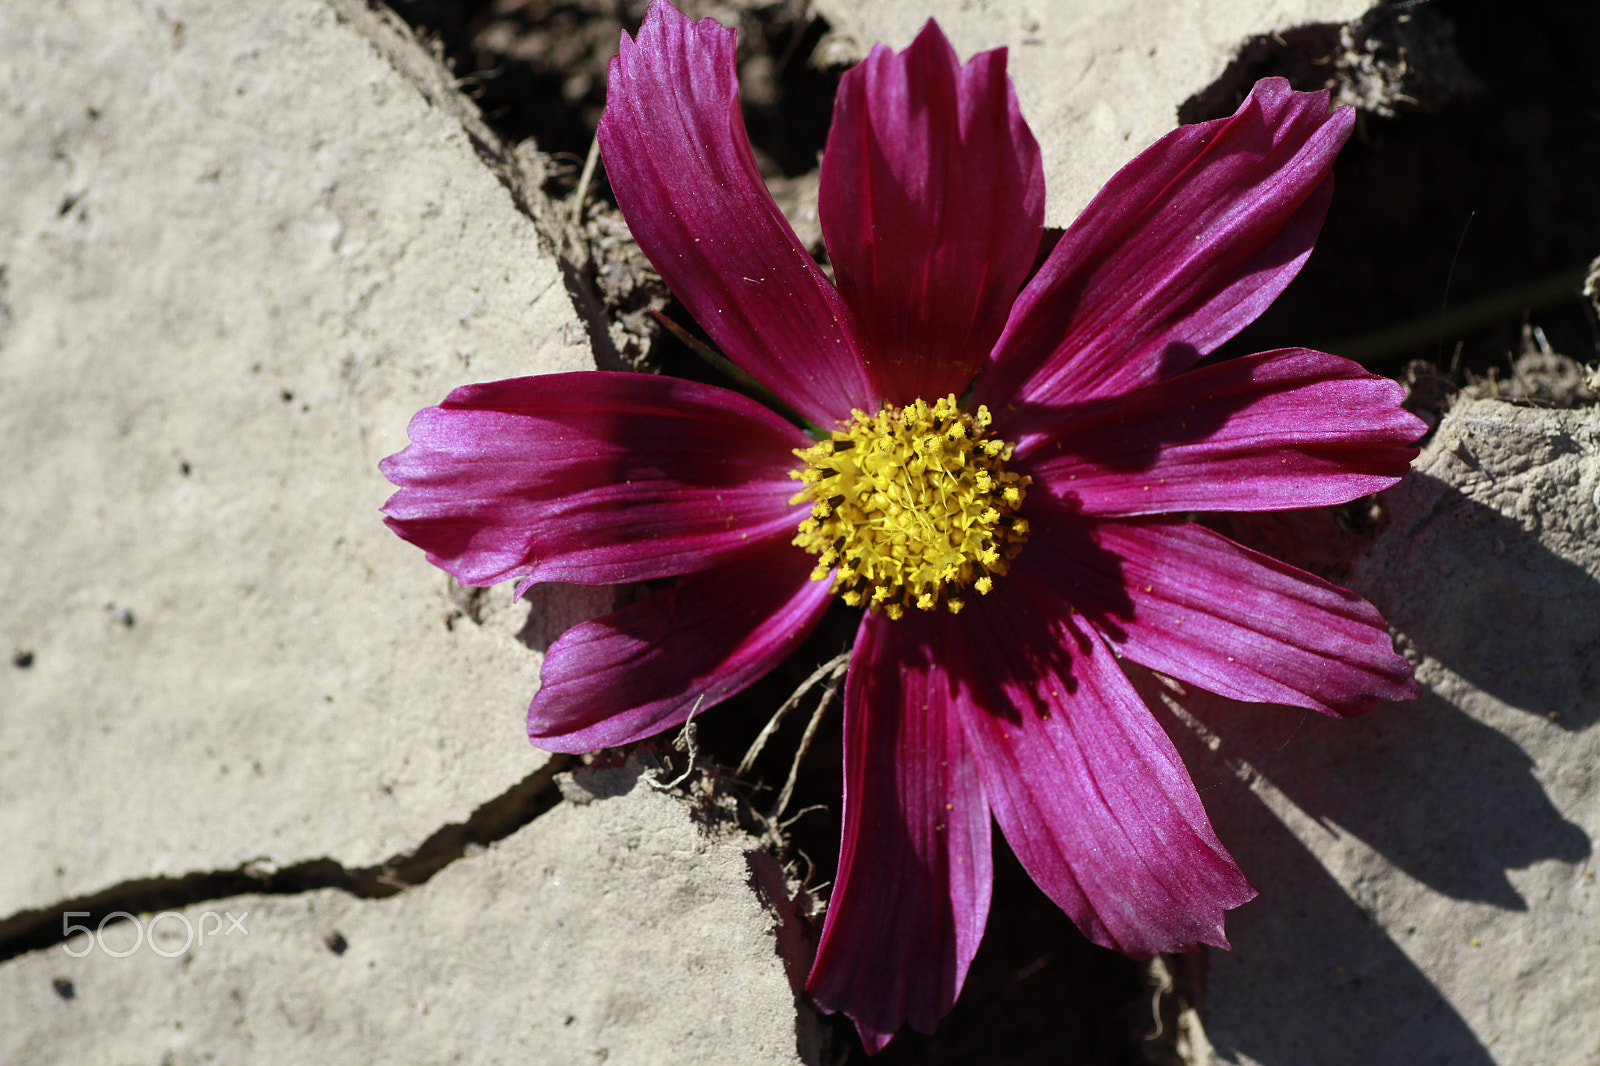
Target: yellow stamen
(909, 506)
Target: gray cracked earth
(240, 245)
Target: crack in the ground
(494, 820)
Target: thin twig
(686, 742)
(736, 372)
(832, 666)
(828, 695)
(584, 178)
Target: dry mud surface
(241, 244)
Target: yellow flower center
(911, 505)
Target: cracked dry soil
(1471, 180)
(38, 929)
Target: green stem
(737, 373)
(1372, 347)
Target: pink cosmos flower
(1009, 547)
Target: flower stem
(1384, 343)
(737, 373)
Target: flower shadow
(1475, 590)
(1501, 627)
(1308, 960)
(1313, 956)
(1446, 798)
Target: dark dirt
(1464, 217)
(1467, 220)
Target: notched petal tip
(1275, 97)
(663, 21)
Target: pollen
(910, 507)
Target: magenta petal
(912, 895)
(1191, 603)
(680, 164)
(932, 203)
(592, 477)
(676, 652)
(1184, 246)
(1277, 431)
(1088, 790)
